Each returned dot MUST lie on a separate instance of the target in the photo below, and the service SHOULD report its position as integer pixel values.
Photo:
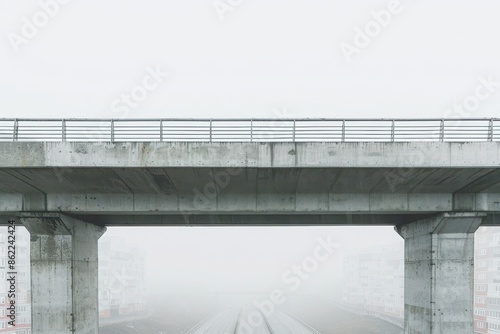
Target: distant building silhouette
(374, 281)
(122, 286)
(487, 280)
(374, 278)
(121, 281)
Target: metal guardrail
(251, 130)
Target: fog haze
(242, 259)
(272, 59)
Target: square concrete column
(64, 284)
(439, 273)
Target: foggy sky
(265, 59)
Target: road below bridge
(324, 317)
(249, 320)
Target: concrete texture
(416, 184)
(64, 284)
(223, 154)
(255, 191)
(439, 273)
(137, 180)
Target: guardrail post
(490, 130)
(161, 130)
(112, 130)
(441, 130)
(251, 130)
(63, 130)
(16, 130)
(343, 130)
(294, 131)
(210, 130)
(393, 130)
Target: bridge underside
(436, 194)
(492, 219)
(250, 196)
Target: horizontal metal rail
(250, 130)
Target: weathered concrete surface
(256, 203)
(64, 284)
(439, 273)
(156, 191)
(222, 154)
(144, 179)
(255, 220)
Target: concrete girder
(250, 203)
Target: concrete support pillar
(64, 284)
(439, 273)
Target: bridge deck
(237, 183)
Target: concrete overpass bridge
(435, 180)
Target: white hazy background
(264, 56)
(245, 259)
(264, 59)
